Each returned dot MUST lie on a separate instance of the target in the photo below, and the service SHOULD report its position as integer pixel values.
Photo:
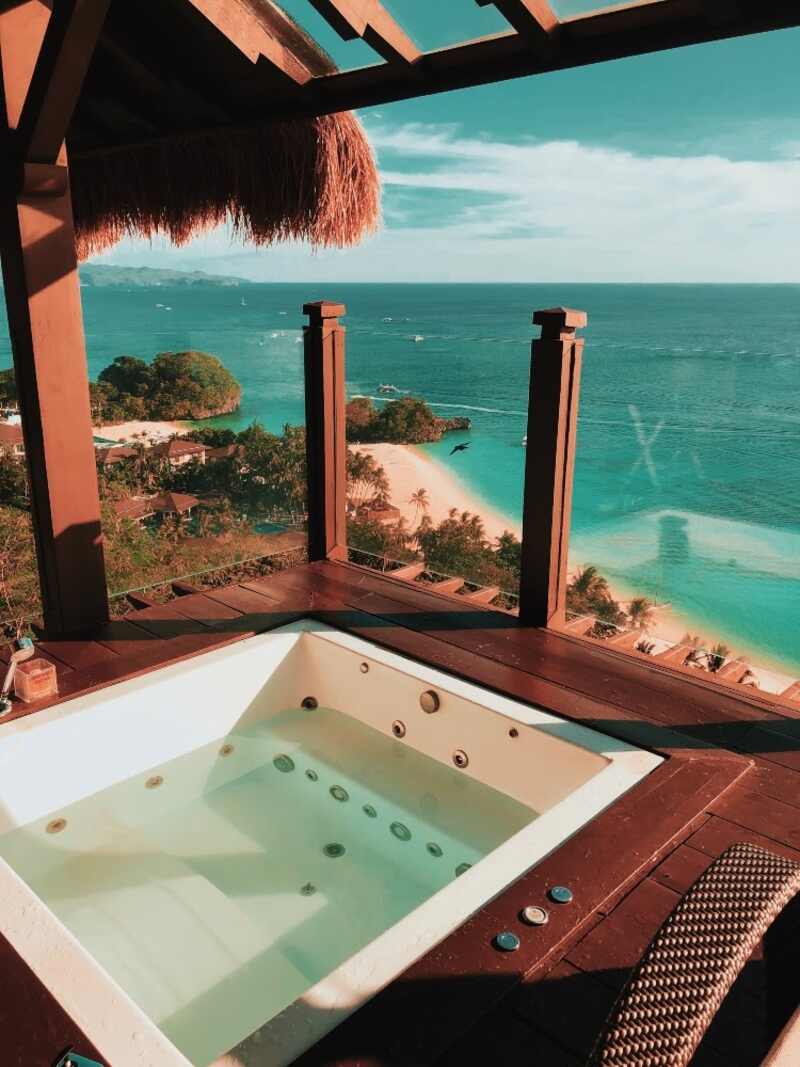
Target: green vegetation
(176, 385)
(588, 594)
(8, 388)
(406, 421)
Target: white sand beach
(409, 469)
(141, 430)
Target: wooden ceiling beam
(648, 26)
(249, 35)
(533, 19)
(163, 96)
(369, 20)
(616, 33)
(67, 48)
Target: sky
(681, 166)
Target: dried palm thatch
(305, 179)
(311, 179)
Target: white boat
(417, 338)
(525, 441)
(244, 302)
(388, 389)
(387, 319)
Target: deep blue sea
(687, 481)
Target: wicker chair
(694, 960)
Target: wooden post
(326, 448)
(549, 465)
(42, 293)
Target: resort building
(177, 452)
(159, 506)
(109, 457)
(11, 441)
(299, 808)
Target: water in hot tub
(218, 887)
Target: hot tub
(219, 861)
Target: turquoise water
(686, 482)
(220, 886)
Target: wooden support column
(37, 245)
(549, 465)
(326, 448)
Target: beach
(141, 430)
(409, 468)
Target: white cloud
(564, 211)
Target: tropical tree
(588, 583)
(367, 482)
(509, 552)
(717, 655)
(421, 502)
(641, 613)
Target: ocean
(687, 483)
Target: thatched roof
(164, 146)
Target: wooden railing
(549, 460)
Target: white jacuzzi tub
(202, 870)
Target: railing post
(549, 466)
(326, 448)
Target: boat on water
(244, 302)
(417, 338)
(388, 389)
(388, 318)
(525, 441)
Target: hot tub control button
(533, 915)
(429, 701)
(507, 941)
(560, 894)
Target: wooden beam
(44, 314)
(594, 38)
(246, 31)
(37, 247)
(534, 19)
(326, 449)
(549, 463)
(55, 84)
(369, 20)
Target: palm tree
(420, 501)
(641, 615)
(717, 656)
(587, 583)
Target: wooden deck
(731, 774)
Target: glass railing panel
(19, 581)
(685, 541)
(437, 400)
(199, 437)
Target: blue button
(560, 894)
(507, 941)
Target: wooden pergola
(82, 78)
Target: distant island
(105, 276)
(176, 385)
(408, 421)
